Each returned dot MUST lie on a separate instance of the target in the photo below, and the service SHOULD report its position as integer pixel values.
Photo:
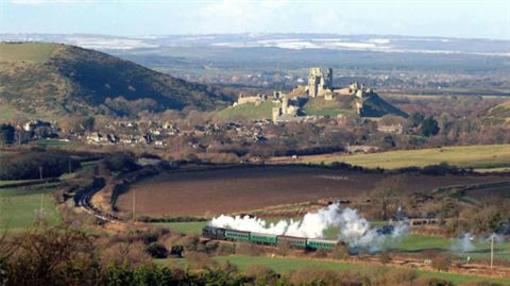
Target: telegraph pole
(41, 178)
(134, 203)
(492, 250)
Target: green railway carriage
(237, 235)
(321, 244)
(270, 239)
(262, 238)
(297, 242)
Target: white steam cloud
(353, 229)
(464, 243)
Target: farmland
(20, 206)
(474, 156)
(217, 191)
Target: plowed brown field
(216, 191)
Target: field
(27, 52)
(283, 265)
(247, 111)
(321, 107)
(20, 206)
(217, 191)
(475, 156)
(192, 227)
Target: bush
(157, 250)
(261, 274)
(31, 165)
(314, 277)
(198, 260)
(121, 162)
(385, 257)
(7, 133)
(340, 252)
(176, 250)
(441, 262)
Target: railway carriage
(268, 239)
(297, 242)
(237, 235)
(262, 238)
(318, 244)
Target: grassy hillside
(476, 156)
(321, 107)
(376, 106)
(28, 52)
(500, 113)
(37, 78)
(248, 111)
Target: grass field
(45, 143)
(283, 265)
(27, 52)
(247, 111)
(20, 206)
(475, 156)
(193, 227)
(322, 107)
(411, 243)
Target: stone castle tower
(319, 82)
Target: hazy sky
(461, 18)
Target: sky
(447, 18)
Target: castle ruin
(320, 85)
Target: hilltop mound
(59, 79)
(373, 106)
(376, 106)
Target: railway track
(83, 201)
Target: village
(286, 108)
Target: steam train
(268, 239)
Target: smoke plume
(464, 243)
(353, 229)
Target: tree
(156, 250)
(89, 123)
(7, 133)
(415, 119)
(429, 127)
(441, 262)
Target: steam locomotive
(268, 239)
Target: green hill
(374, 106)
(43, 78)
(248, 111)
(321, 107)
(499, 113)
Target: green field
(322, 107)
(193, 227)
(475, 156)
(19, 206)
(283, 265)
(27, 52)
(247, 111)
(45, 143)
(411, 243)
